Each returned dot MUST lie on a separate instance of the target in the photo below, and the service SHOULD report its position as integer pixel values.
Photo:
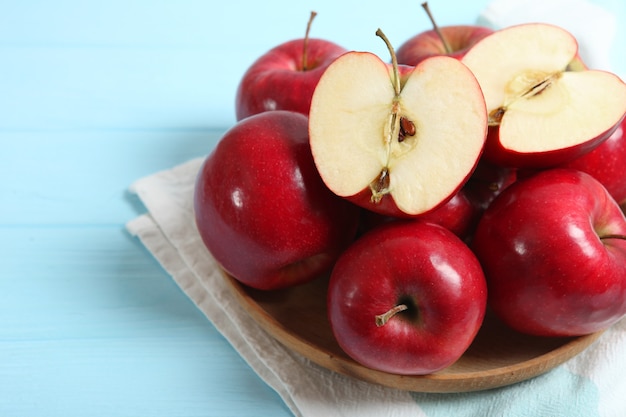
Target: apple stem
(382, 319)
(394, 61)
(615, 236)
(305, 52)
(446, 45)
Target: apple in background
(285, 77)
(487, 182)
(539, 114)
(406, 298)
(453, 41)
(270, 221)
(553, 250)
(394, 142)
(607, 164)
(459, 215)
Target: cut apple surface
(541, 114)
(396, 141)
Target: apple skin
(277, 81)
(428, 43)
(418, 263)
(263, 211)
(606, 163)
(459, 215)
(498, 155)
(486, 182)
(549, 270)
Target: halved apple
(397, 141)
(541, 114)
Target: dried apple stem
(394, 62)
(615, 236)
(305, 52)
(394, 121)
(382, 319)
(446, 45)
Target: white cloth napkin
(592, 384)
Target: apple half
(541, 114)
(399, 141)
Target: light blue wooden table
(94, 95)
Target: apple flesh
(406, 298)
(279, 80)
(261, 208)
(399, 144)
(541, 115)
(553, 250)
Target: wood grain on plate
(499, 356)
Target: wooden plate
(297, 318)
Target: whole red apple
(459, 215)
(553, 250)
(261, 208)
(607, 164)
(285, 77)
(458, 40)
(407, 298)
(486, 183)
(453, 41)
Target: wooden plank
(82, 177)
(90, 322)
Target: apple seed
(380, 186)
(407, 128)
(496, 115)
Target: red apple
(486, 182)
(453, 41)
(399, 144)
(261, 208)
(459, 215)
(285, 77)
(540, 114)
(607, 164)
(553, 250)
(460, 39)
(407, 298)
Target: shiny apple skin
(547, 270)
(277, 81)
(263, 211)
(607, 164)
(499, 155)
(399, 261)
(458, 214)
(426, 44)
(485, 184)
